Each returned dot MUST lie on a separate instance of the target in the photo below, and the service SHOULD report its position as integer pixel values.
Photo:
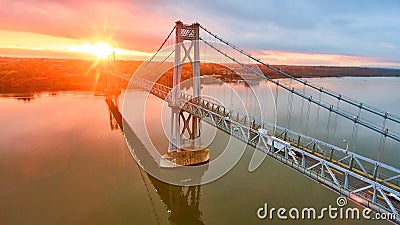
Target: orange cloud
(16, 43)
(125, 22)
(300, 58)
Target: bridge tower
(187, 149)
(112, 82)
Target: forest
(27, 75)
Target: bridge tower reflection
(182, 202)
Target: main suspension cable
(346, 99)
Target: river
(63, 160)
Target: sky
(303, 32)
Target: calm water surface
(63, 162)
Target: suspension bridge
(313, 150)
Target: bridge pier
(185, 143)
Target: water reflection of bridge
(182, 202)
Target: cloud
(354, 28)
(317, 59)
(123, 20)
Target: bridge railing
(291, 153)
(310, 156)
(355, 162)
(364, 166)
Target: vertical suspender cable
(328, 125)
(302, 106)
(382, 142)
(354, 133)
(335, 123)
(289, 111)
(318, 112)
(308, 117)
(276, 105)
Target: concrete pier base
(185, 157)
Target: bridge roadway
(345, 172)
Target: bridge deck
(345, 172)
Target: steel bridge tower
(188, 148)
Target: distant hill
(41, 74)
(330, 71)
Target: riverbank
(27, 75)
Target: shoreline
(26, 94)
(36, 75)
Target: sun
(102, 50)
(99, 49)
